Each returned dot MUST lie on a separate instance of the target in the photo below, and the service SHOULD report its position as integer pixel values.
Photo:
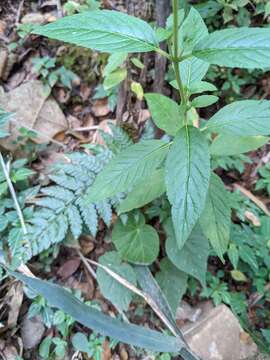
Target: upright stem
(175, 57)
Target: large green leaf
(103, 30)
(215, 220)
(145, 191)
(135, 241)
(187, 180)
(103, 324)
(243, 118)
(150, 286)
(129, 167)
(192, 258)
(165, 112)
(242, 47)
(172, 281)
(227, 145)
(118, 294)
(192, 70)
(191, 32)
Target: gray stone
(33, 18)
(3, 60)
(219, 336)
(32, 331)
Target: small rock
(187, 312)
(33, 18)
(219, 336)
(32, 331)
(3, 60)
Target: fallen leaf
(101, 108)
(14, 299)
(69, 268)
(33, 111)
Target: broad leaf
(165, 113)
(129, 167)
(103, 324)
(243, 118)
(172, 281)
(201, 86)
(204, 101)
(192, 258)
(215, 220)
(103, 30)
(227, 145)
(191, 32)
(110, 288)
(135, 241)
(187, 180)
(192, 70)
(242, 47)
(150, 286)
(145, 191)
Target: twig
(22, 268)
(19, 12)
(59, 8)
(137, 291)
(256, 297)
(253, 198)
(89, 128)
(87, 265)
(13, 194)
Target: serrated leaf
(238, 47)
(127, 168)
(165, 112)
(191, 31)
(242, 118)
(192, 258)
(75, 221)
(145, 191)
(238, 275)
(187, 179)
(233, 254)
(215, 220)
(103, 30)
(172, 281)
(135, 241)
(204, 101)
(103, 324)
(110, 288)
(227, 145)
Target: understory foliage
(171, 178)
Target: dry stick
(92, 272)
(19, 12)
(139, 292)
(253, 198)
(22, 268)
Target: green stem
(175, 57)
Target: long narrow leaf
(103, 324)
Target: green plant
(264, 182)
(46, 68)
(178, 164)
